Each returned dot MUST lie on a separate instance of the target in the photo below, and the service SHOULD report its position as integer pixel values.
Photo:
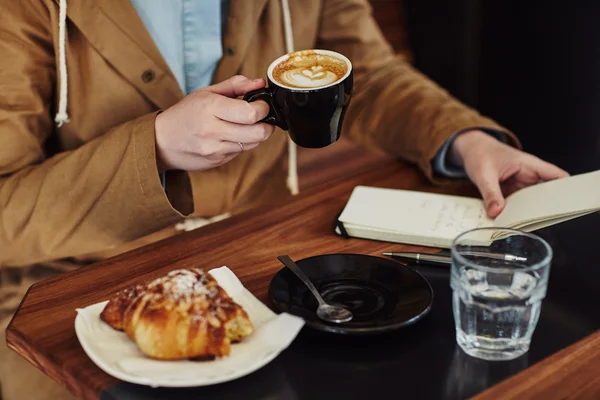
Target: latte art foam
(308, 69)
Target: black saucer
(382, 294)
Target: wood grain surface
(42, 330)
(573, 373)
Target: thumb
(488, 184)
(236, 86)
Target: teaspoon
(326, 312)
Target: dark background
(533, 66)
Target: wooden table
(420, 361)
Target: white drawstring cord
(61, 116)
(292, 177)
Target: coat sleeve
(394, 108)
(102, 194)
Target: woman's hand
(205, 129)
(498, 169)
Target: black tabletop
(420, 361)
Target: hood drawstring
(292, 177)
(61, 116)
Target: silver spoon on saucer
(326, 312)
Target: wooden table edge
(522, 385)
(558, 368)
(555, 366)
(20, 345)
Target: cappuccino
(309, 69)
(308, 93)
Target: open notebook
(430, 219)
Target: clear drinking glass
(499, 278)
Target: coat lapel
(242, 23)
(114, 28)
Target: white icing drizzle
(184, 285)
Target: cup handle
(267, 96)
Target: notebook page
(558, 198)
(411, 213)
(533, 226)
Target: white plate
(114, 353)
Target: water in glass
(496, 304)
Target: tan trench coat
(92, 186)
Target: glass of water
(499, 278)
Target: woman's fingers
(243, 133)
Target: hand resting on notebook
(432, 219)
(498, 169)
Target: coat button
(148, 76)
(229, 51)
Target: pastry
(185, 314)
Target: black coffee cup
(312, 116)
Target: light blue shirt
(189, 35)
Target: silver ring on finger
(241, 146)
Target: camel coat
(90, 187)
